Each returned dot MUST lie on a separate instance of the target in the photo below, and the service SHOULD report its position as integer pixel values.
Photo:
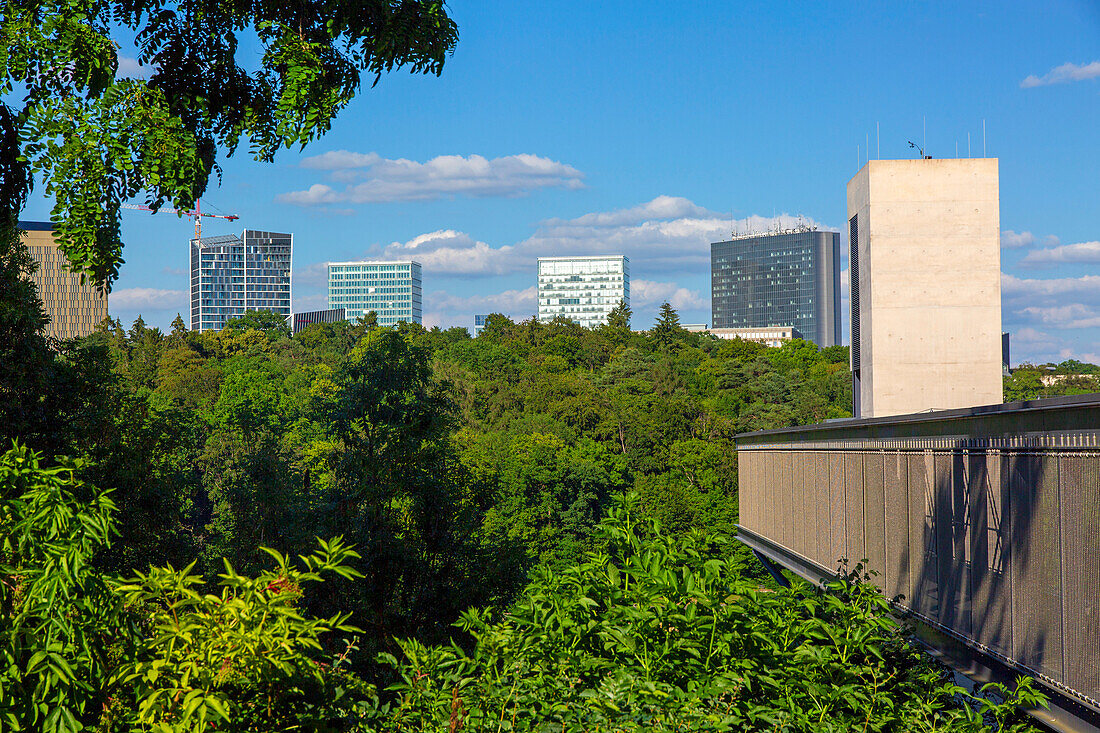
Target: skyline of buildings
(788, 278)
(583, 288)
(231, 275)
(75, 308)
(392, 289)
(925, 268)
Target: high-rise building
(393, 290)
(926, 285)
(75, 308)
(231, 275)
(583, 289)
(480, 320)
(789, 278)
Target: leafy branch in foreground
(651, 634)
(96, 139)
(81, 648)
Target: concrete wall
(930, 284)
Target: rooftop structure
(75, 308)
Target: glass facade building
(231, 275)
(583, 289)
(393, 290)
(480, 320)
(778, 279)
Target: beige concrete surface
(929, 284)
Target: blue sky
(653, 128)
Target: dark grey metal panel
(896, 498)
(1036, 564)
(1080, 493)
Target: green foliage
(273, 324)
(80, 648)
(653, 633)
(1071, 377)
(96, 140)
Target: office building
(926, 285)
(75, 308)
(231, 275)
(393, 290)
(788, 278)
(583, 289)
(774, 336)
(298, 321)
(480, 322)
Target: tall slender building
(926, 285)
(231, 275)
(787, 278)
(75, 308)
(393, 290)
(583, 289)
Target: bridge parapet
(986, 521)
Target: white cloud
(449, 252)
(1068, 253)
(445, 310)
(318, 193)
(1026, 290)
(665, 235)
(1063, 74)
(147, 299)
(1073, 315)
(1016, 240)
(445, 176)
(130, 68)
(649, 295)
(340, 159)
(311, 276)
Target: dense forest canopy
(563, 476)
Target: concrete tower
(926, 285)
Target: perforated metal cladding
(923, 563)
(1080, 493)
(824, 512)
(896, 497)
(874, 516)
(990, 571)
(853, 506)
(1036, 564)
(953, 540)
(1000, 545)
(838, 541)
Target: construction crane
(197, 213)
